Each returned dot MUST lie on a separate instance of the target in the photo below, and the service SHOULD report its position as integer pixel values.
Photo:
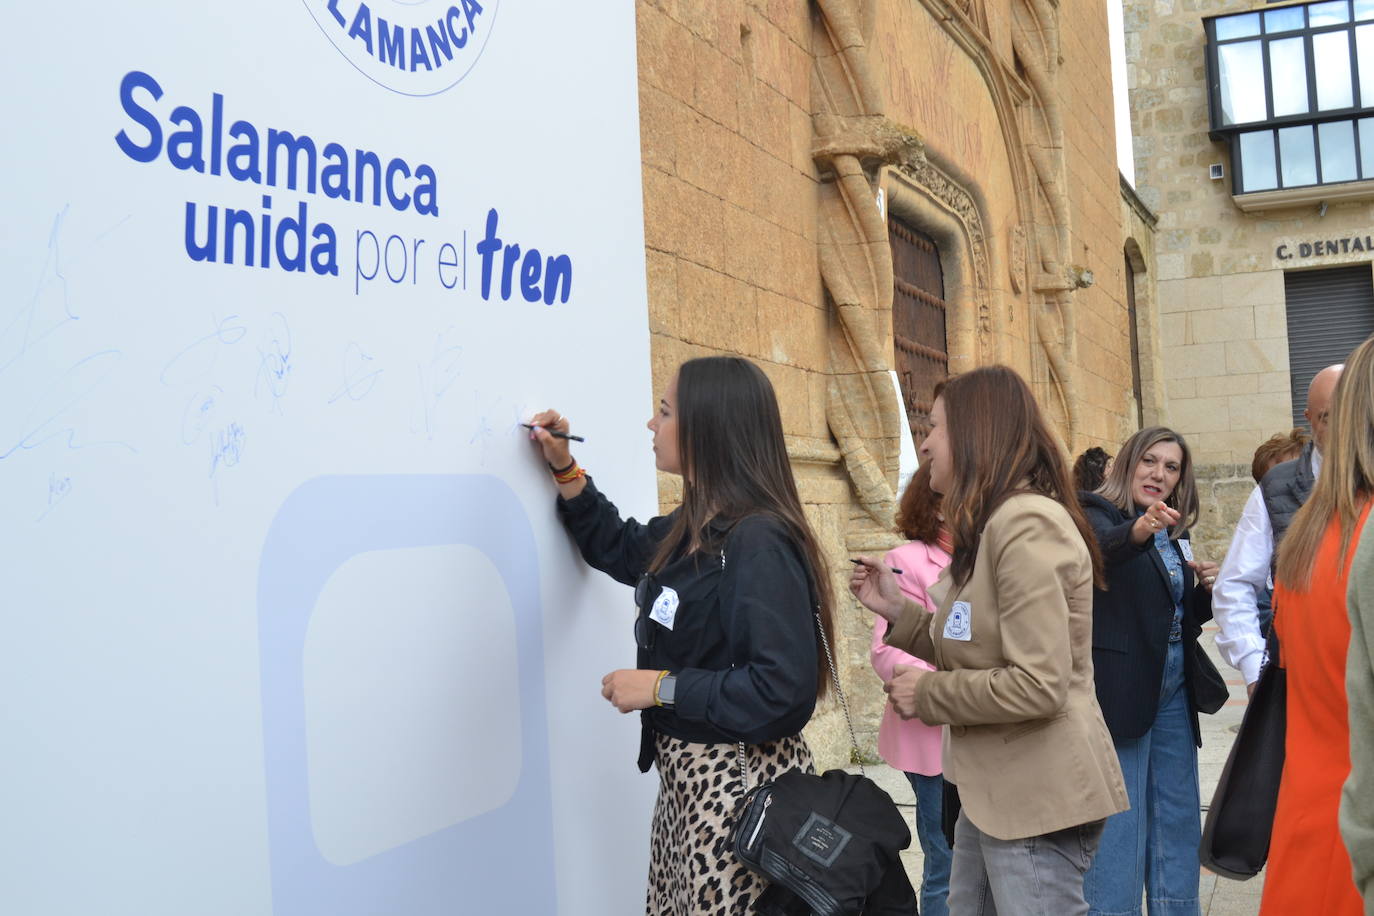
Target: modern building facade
(1254, 128)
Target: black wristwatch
(667, 690)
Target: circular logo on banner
(414, 47)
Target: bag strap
(854, 756)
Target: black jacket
(1131, 622)
(743, 642)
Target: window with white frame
(1292, 92)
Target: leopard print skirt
(692, 871)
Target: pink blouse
(908, 744)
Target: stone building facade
(782, 139)
(1263, 248)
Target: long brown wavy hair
(1000, 446)
(734, 464)
(1347, 478)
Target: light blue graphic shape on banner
(499, 861)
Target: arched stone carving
(851, 138)
(1027, 103)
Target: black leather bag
(828, 845)
(1209, 687)
(1240, 820)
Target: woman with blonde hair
(1148, 671)
(1309, 869)
(1010, 636)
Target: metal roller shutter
(1330, 313)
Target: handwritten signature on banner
(359, 375)
(436, 378)
(36, 357)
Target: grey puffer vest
(1285, 488)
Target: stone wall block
(802, 134)
(796, 407)
(660, 271)
(715, 310)
(1271, 321)
(1200, 414)
(1199, 361)
(1225, 447)
(682, 220)
(1173, 330)
(1179, 388)
(718, 83)
(1227, 385)
(792, 333)
(1213, 325)
(658, 141)
(769, 48)
(1252, 289)
(666, 51)
(764, 119)
(816, 422)
(1266, 411)
(1267, 355)
(751, 245)
(1276, 381)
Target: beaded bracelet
(571, 474)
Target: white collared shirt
(1243, 577)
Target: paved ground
(1220, 896)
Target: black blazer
(1131, 622)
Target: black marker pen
(555, 433)
(895, 570)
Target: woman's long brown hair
(734, 464)
(1347, 477)
(1000, 445)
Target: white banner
(290, 625)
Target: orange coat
(1309, 868)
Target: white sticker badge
(1186, 548)
(959, 623)
(665, 607)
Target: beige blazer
(1027, 746)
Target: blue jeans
(1152, 848)
(931, 835)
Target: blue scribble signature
(43, 314)
(43, 423)
(359, 376)
(274, 370)
(227, 332)
(226, 447)
(436, 379)
(58, 488)
(197, 413)
(48, 310)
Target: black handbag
(1240, 820)
(1209, 687)
(828, 845)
